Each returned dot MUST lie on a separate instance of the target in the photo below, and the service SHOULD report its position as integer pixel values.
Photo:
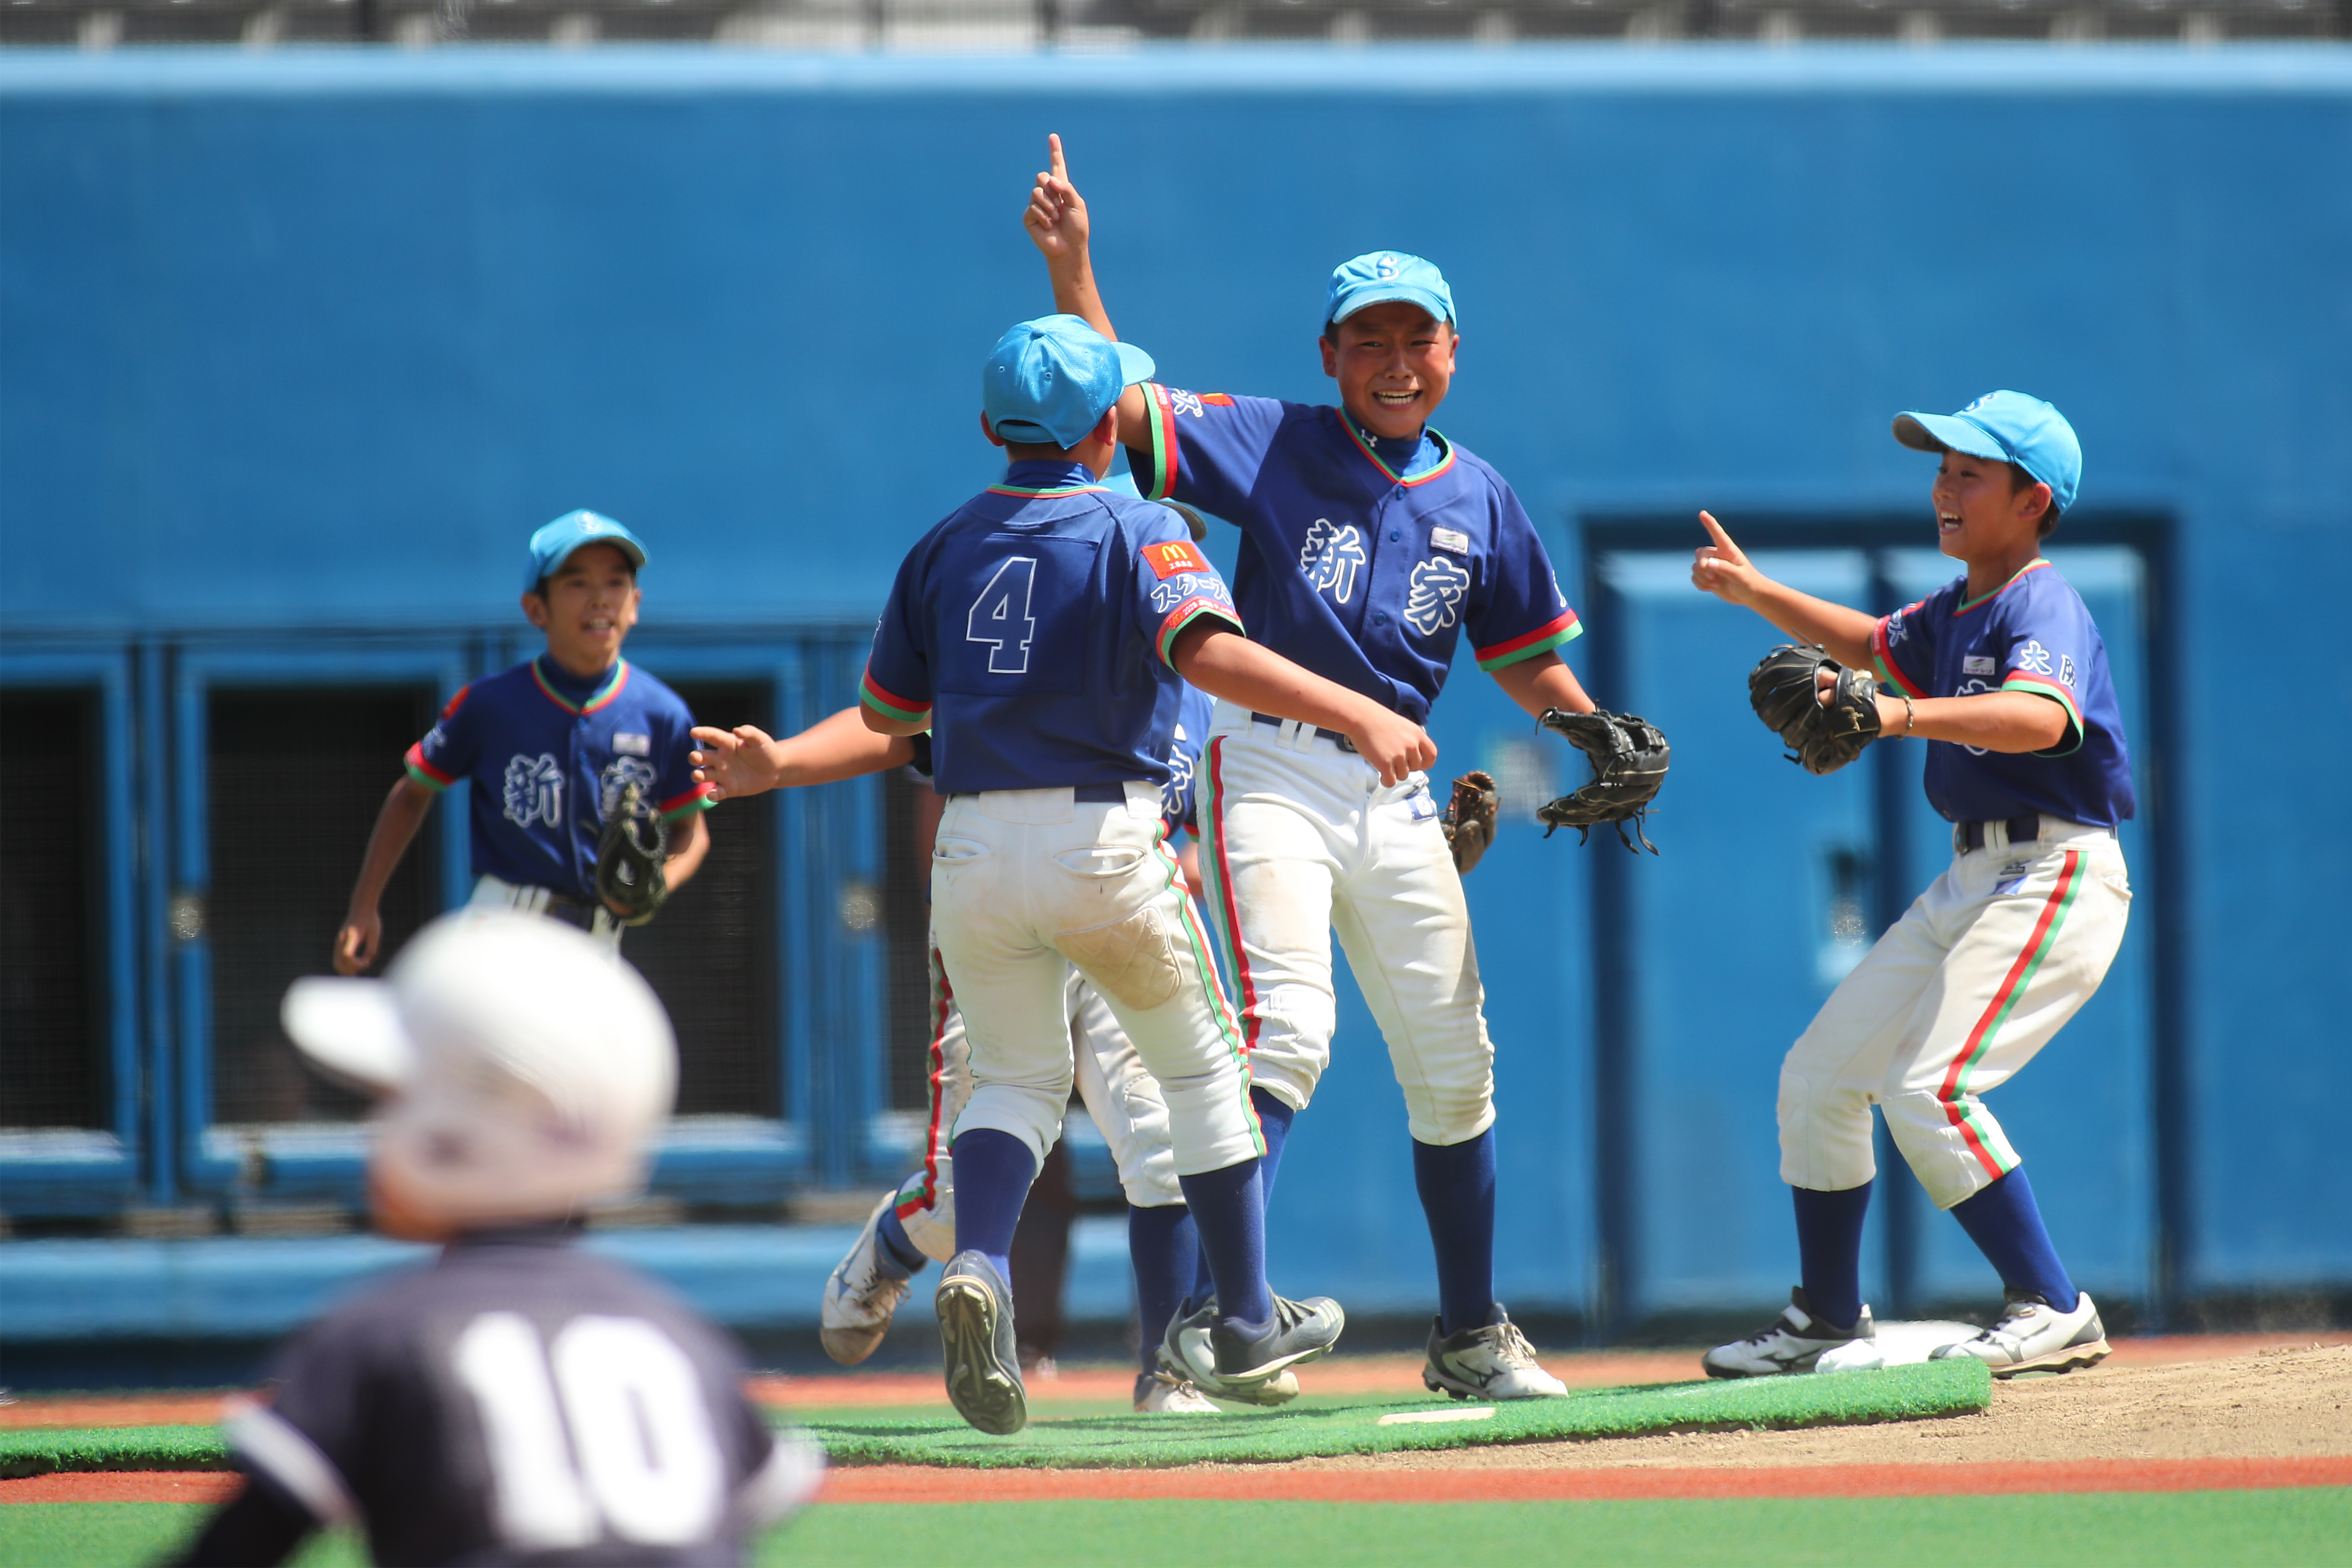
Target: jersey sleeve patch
(1171, 556)
(1562, 628)
(905, 710)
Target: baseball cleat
(1492, 1363)
(1165, 1394)
(1299, 1331)
(859, 1299)
(983, 1370)
(1793, 1343)
(2032, 1335)
(1184, 1350)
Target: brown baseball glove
(1469, 818)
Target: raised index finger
(1722, 540)
(1054, 149)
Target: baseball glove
(1629, 757)
(1469, 819)
(629, 875)
(1786, 694)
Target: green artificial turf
(1127, 1441)
(1147, 1442)
(112, 1448)
(2286, 1529)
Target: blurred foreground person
(522, 1400)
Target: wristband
(1910, 714)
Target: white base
(1898, 1344)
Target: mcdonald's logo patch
(1172, 556)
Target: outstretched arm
(1059, 228)
(1541, 682)
(1223, 663)
(395, 826)
(747, 761)
(1723, 570)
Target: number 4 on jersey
(1006, 625)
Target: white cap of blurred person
(523, 1070)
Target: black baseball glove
(1469, 818)
(1629, 763)
(629, 874)
(1785, 690)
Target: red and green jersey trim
(1184, 615)
(1563, 628)
(687, 805)
(424, 773)
(1882, 656)
(1348, 423)
(1046, 492)
(905, 710)
(2036, 565)
(2023, 681)
(603, 697)
(1959, 1104)
(1159, 482)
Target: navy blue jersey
(1190, 736)
(1365, 574)
(2032, 634)
(1032, 630)
(548, 757)
(522, 1401)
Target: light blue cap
(1382, 275)
(2005, 427)
(551, 546)
(1052, 380)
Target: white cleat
(859, 1299)
(1795, 1342)
(1165, 1394)
(2034, 1336)
(1492, 1363)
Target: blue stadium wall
(302, 346)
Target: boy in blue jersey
(2003, 674)
(1039, 634)
(550, 746)
(1370, 545)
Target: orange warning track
(914, 1484)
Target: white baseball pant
(494, 893)
(1027, 885)
(1122, 1098)
(1302, 840)
(1960, 994)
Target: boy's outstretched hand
(1721, 568)
(735, 762)
(1056, 218)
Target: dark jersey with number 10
(520, 1401)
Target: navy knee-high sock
(1829, 1250)
(1456, 1182)
(1229, 1207)
(2006, 1225)
(1162, 1244)
(993, 1173)
(1273, 1118)
(895, 1253)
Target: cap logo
(1979, 403)
(1385, 268)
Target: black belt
(1968, 836)
(1342, 741)
(1085, 794)
(571, 911)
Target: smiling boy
(1370, 545)
(551, 745)
(2003, 674)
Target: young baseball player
(2003, 674)
(520, 1400)
(1370, 544)
(552, 747)
(1039, 634)
(915, 1223)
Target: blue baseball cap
(2005, 427)
(1382, 275)
(551, 546)
(1053, 379)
